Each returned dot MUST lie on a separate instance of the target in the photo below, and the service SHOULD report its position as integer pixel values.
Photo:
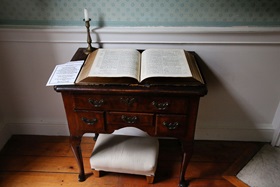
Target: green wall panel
(141, 12)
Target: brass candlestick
(89, 48)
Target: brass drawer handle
(171, 126)
(128, 100)
(160, 106)
(128, 119)
(88, 121)
(96, 103)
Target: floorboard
(48, 161)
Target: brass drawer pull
(128, 100)
(160, 106)
(88, 121)
(128, 119)
(171, 126)
(96, 103)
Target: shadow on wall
(97, 37)
(220, 110)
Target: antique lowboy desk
(162, 111)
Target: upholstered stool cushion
(125, 154)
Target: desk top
(199, 90)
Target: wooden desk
(163, 111)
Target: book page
(164, 63)
(116, 63)
(65, 74)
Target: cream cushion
(125, 154)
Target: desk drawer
(108, 102)
(164, 105)
(129, 119)
(171, 125)
(129, 103)
(89, 121)
(97, 102)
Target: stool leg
(150, 179)
(96, 173)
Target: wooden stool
(125, 154)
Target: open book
(128, 66)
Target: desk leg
(187, 148)
(76, 148)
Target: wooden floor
(28, 161)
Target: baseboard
(231, 134)
(38, 129)
(260, 135)
(5, 135)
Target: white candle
(86, 14)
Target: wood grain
(48, 161)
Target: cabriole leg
(75, 143)
(187, 148)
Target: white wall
(241, 67)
